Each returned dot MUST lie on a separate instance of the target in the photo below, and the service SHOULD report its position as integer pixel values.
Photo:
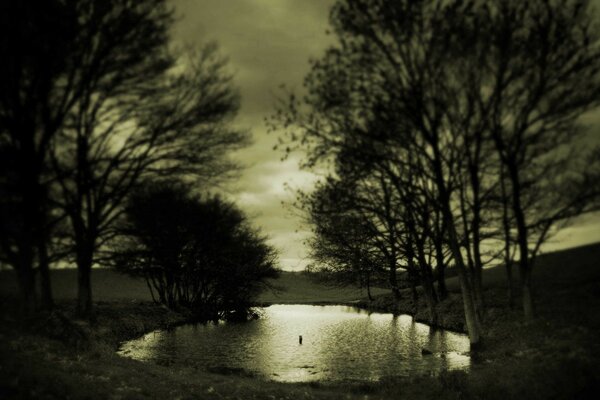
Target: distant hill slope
(570, 266)
(108, 285)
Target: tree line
(451, 134)
(196, 253)
(95, 103)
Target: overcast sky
(269, 43)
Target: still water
(339, 343)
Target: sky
(269, 43)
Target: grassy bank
(555, 356)
(566, 284)
(108, 285)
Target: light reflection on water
(339, 343)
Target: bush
(196, 253)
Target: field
(555, 356)
(108, 285)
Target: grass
(108, 285)
(555, 356)
(298, 288)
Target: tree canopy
(195, 252)
(94, 99)
(469, 112)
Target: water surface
(339, 343)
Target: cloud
(268, 43)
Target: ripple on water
(339, 343)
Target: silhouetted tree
(347, 246)
(196, 254)
(92, 100)
(380, 96)
(42, 50)
(444, 95)
(541, 72)
(153, 123)
(122, 55)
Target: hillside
(108, 285)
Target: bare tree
(543, 64)
(381, 96)
(157, 123)
(91, 100)
(47, 60)
(354, 239)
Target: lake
(338, 343)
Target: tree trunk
(475, 229)
(524, 265)
(510, 294)
(528, 305)
(413, 278)
(413, 273)
(26, 243)
(428, 288)
(478, 291)
(507, 241)
(440, 270)
(44, 267)
(26, 280)
(477, 270)
(84, 285)
(441, 278)
(394, 281)
(439, 258)
(147, 279)
(473, 324)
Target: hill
(108, 285)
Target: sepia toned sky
(269, 43)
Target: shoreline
(557, 355)
(452, 321)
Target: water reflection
(339, 343)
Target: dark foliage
(195, 253)
(92, 101)
(465, 118)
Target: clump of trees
(93, 100)
(454, 129)
(195, 253)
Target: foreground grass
(555, 356)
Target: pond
(338, 343)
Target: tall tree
(155, 122)
(42, 48)
(122, 56)
(544, 63)
(381, 95)
(92, 99)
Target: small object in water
(300, 339)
